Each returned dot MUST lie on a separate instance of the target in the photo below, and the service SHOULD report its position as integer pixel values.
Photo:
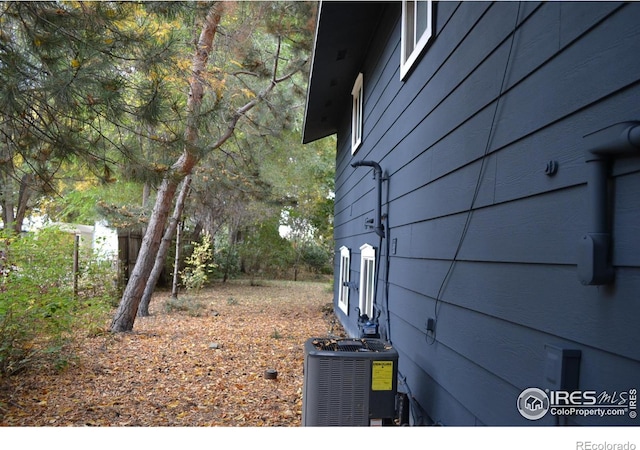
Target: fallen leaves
(166, 372)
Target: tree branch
(240, 112)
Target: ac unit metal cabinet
(349, 382)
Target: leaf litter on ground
(199, 362)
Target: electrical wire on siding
(479, 180)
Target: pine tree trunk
(143, 310)
(23, 200)
(126, 313)
(13, 214)
(176, 268)
(128, 308)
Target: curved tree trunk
(127, 310)
(23, 200)
(176, 268)
(125, 315)
(13, 214)
(143, 310)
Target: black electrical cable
(480, 173)
(412, 401)
(386, 275)
(377, 277)
(386, 282)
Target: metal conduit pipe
(377, 175)
(603, 146)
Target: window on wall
(356, 115)
(367, 279)
(343, 289)
(416, 32)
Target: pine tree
(89, 84)
(267, 62)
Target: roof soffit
(343, 34)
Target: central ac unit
(349, 382)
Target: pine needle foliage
(97, 85)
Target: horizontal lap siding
(529, 296)
(514, 285)
(500, 355)
(545, 231)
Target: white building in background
(105, 240)
(99, 237)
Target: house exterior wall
(481, 236)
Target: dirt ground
(200, 362)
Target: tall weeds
(39, 311)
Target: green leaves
(199, 264)
(38, 310)
(93, 97)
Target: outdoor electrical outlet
(431, 324)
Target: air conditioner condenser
(349, 382)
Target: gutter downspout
(603, 146)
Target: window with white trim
(416, 32)
(343, 288)
(356, 114)
(367, 279)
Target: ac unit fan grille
(344, 394)
(350, 345)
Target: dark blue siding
(484, 240)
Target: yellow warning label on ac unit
(382, 376)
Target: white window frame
(343, 288)
(413, 44)
(356, 113)
(367, 279)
